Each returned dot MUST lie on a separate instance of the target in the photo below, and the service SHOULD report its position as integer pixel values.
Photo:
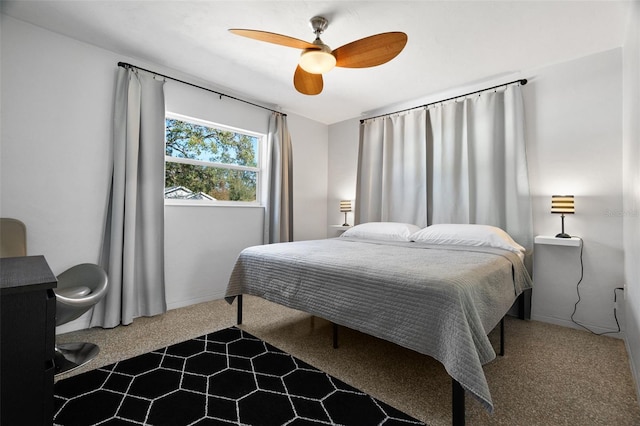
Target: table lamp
(562, 204)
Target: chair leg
(69, 356)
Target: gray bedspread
(441, 301)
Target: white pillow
(389, 231)
(468, 235)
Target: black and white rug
(226, 377)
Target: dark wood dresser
(27, 341)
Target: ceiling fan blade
(370, 51)
(280, 39)
(307, 83)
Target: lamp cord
(575, 306)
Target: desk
(27, 340)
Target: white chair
(79, 289)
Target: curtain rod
(521, 81)
(125, 65)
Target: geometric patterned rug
(228, 377)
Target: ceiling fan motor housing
(318, 24)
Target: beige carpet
(550, 375)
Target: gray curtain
(133, 252)
(479, 163)
(392, 170)
(278, 222)
(475, 167)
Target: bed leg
(239, 299)
(457, 406)
(502, 337)
(335, 335)
(524, 305)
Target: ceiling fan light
(316, 61)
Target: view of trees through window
(205, 162)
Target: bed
(438, 290)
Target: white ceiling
(451, 43)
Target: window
(209, 162)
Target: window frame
(260, 170)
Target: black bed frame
(523, 310)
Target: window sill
(205, 203)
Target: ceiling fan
(317, 58)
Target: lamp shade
(345, 206)
(562, 204)
(317, 61)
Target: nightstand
(28, 330)
(555, 241)
(556, 269)
(339, 228)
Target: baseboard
(570, 324)
(195, 300)
(632, 366)
(632, 345)
(85, 321)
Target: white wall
(201, 245)
(631, 177)
(343, 160)
(573, 134)
(310, 167)
(57, 97)
(57, 101)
